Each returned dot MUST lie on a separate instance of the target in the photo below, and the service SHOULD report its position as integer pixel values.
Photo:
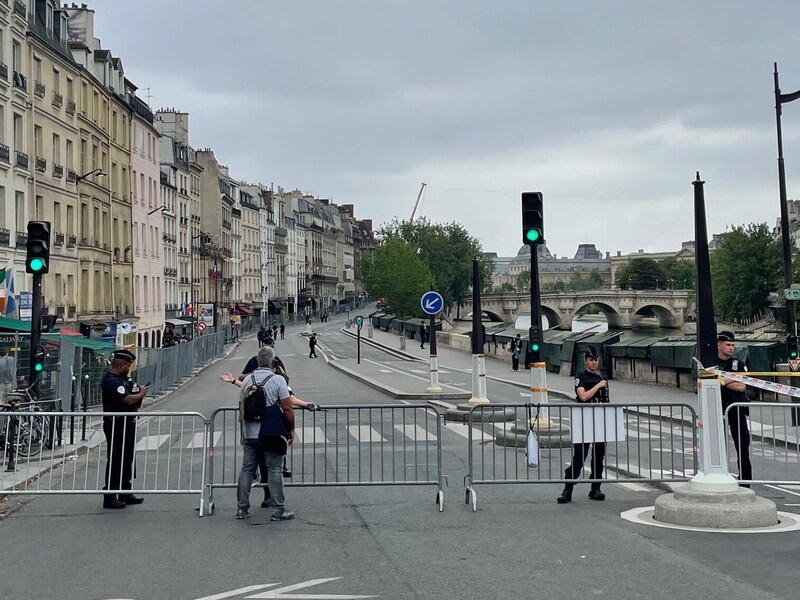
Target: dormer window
(49, 13)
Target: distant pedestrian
(120, 394)
(274, 332)
(261, 335)
(423, 335)
(516, 351)
(731, 392)
(283, 328)
(8, 372)
(312, 344)
(589, 388)
(494, 341)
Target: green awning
(97, 345)
(10, 324)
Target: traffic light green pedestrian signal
(535, 342)
(38, 248)
(38, 359)
(532, 218)
(792, 347)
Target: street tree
(395, 271)
(524, 281)
(448, 251)
(640, 274)
(746, 267)
(678, 274)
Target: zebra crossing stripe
(415, 432)
(151, 442)
(197, 440)
(462, 429)
(365, 433)
(310, 435)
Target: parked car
(381, 303)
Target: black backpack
(254, 401)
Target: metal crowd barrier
(345, 445)
(169, 455)
(643, 442)
(772, 443)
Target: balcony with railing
(71, 241)
(20, 81)
(59, 240)
(19, 9)
(282, 248)
(5, 237)
(58, 100)
(5, 154)
(4, 71)
(22, 239)
(22, 160)
(41, 164)
(281, 232)
(70, 107)
(58, 171)
(72, 176)
(38, 89)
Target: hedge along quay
(643, 442)
(343, 445)
(169, 456)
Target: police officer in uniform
(120, 394)
(589, 387)
(734, 391)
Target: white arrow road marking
(244, 590)
(281, 592)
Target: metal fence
(643, 442)
(359, 445)
(770, 442)
(168, 450)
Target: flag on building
(8, 304)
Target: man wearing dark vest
(731, 392)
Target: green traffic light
(532, 235)
(793, 354)
(36, 264)
(535, 347)
(38, 367)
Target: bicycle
(23, 436)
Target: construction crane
(416, 204)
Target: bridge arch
(666, 318)
(553, 318)
(612, 316)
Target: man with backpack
(265, 408)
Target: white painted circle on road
(644, 516)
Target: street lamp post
(781, 99)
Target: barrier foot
(440, 500)
(471, 494)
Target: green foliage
(448, 251)
(746, 267)
(580, 282)
(395, 271)
(648, 274)
(678, 274)
(524, 281)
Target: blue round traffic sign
(432, 302)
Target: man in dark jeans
(732, 392)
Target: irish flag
(8, 304)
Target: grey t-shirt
(275, 389)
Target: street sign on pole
(347, 308)
(791, 293)
(432, 302)
(201, 327)
(359, 321)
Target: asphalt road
(384, 542)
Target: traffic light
(38, 359)
(534, 343)
(791, 347)
(308, 301)
(37, 260)
(532, 218)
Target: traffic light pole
(36, 332)
(538, 368)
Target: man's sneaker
(283, 515)
(597, 495)
(242, 514)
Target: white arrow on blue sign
(432, 302)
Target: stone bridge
(671, 307)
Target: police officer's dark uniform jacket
(737, 417)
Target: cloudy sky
(608, 108)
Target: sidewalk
(48, 459)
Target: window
(16, 56)
(57, 218)
(56, 81)
(19, 137)
(3, 218)
(2, 124)
(114, 126)
(134, 196)
(68, 155)
(97, 225)
(84, 98)
(94, 156)
(144, 240)
(2, 45)
(19, 207)
(70, 220)
(37, 140)
(49, 18)
(136, 239)
(70, 90)
(124, 183)
(37, 69)
(56, 149)
(85, 226)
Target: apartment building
(148, 257)
(252, 207)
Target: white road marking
(385, 370)
(282, 592)
(416, 433)
(782, 489)
(442, 403)
(310, 435)
(444, 372)
(365, 433)
(151, 442)
(420, 371)
(197, 440)
(462, 429)
(240, 591)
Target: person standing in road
(312, 344)
(589, 388)
(283, 328)
(731, 392)
(274, 332)
(516, 351)
(120, 394)
(8, 372)
(423, 335)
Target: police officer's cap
(725, 336)
(125, 355)
(590, 352)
